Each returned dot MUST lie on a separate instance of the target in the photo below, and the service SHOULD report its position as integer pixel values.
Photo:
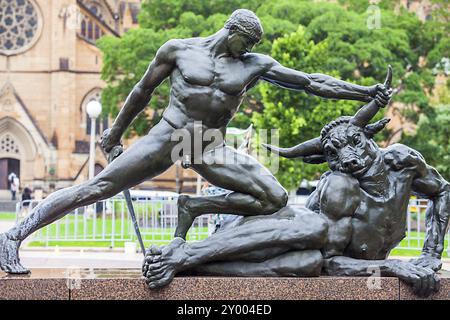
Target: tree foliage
(335, 40)
(297, 116)
(331, 38)
(432, 139)
(127, 58)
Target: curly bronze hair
(327, 128)
(247, 22)
(370, 130)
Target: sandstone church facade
(49, 70)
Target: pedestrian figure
(26, 200)
(14, 185)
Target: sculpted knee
(340, 195)
(284, 199)
(278, 198)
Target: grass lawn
(7, 216)
(98, 233)
(415, 243)
(161, 237)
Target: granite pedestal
(120, 284)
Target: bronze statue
(209, 79)
(352, 221)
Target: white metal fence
(415, 225)
(107, 223)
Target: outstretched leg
(255, 191)
(146, 158)
(306, 231)
(306, 263)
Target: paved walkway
(81, 259)
(6, 225)
(89, 258)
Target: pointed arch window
(83, 28)
(90, 28)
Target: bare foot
(9, 256)
(184, 218)
(161, 264)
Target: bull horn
(372, 129)
(367, 112)
(388, 80)
(304, 149)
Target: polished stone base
(121, 284)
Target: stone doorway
(8, 166)
(17, 153)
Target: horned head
(345, 143)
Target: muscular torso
(377, 224)
(206, 88)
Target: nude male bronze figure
(209, 79)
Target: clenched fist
(382, 92)
(108, 141)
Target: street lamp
(93, 109)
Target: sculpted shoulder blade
(399, 156)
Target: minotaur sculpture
(352, 221)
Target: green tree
(167, 14)
(298, 116)
(344, 47)
(333, 39)
(432, 139)
(432, 135)
(126, 58)
(125, 61)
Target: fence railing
(107, 223)
(415, 226)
